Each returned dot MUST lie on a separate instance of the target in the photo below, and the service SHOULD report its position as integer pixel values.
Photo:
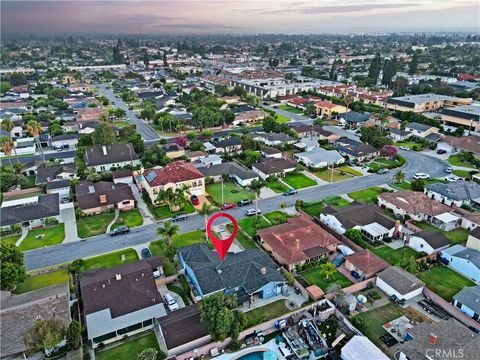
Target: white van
(171, 302)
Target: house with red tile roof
(175, 175)
(365, 264)
(297, 241)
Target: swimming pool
(259, 355)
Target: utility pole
(331, 175)
(222, 190)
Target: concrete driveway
(70, 222)
(163, 290)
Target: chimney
(432, 339)
(396, 232)
(297, 243)
(103, 199)
(49, 179)
(263, 270)
(118, 276)
(104, 149)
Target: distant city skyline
(239, 17)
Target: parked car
(227, 206)
(297, 290)
(290, 192)
(441, 151)
(251, 212)
(406, 148)
(382, 171)
(179, 217)
(244, 202)
(422, 176)
(448, 169)
(452, 178)
(338, 260)
(345, 250)
(59, 147)
(124, 229)
(194, 199)
(171, 302)
(394, 298)
(146, 253)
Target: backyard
(94, 225)
(232, 193)
(130, 349)
(395, 257)
(42, 281)
(110, 260)
(315, 277)
(456, 236)
(47, 236)
(299, 181)
(267, 312)
(367, 196)
(130, 218)
(444, 281)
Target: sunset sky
(243, 16)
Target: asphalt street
(66, 252)
(31, 158)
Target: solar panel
(151, 176)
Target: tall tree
(103, 134)
(73, 335)
(169, 230)
(205, 211)
(35, 129)
(44, 335)
(375, 68)
(7, 146)
(413, 66)
(117, 57)
(389, 71)
(12, 266)
(256, 186)
(8, 126)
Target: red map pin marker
(222, 246)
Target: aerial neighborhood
(350, 164)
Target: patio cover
(315, 292)
(375, 229)
(446, 218)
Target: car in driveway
(228, 206)
(251, 212)
(441, 151)
(382, 171)
(406, 148)
(452, 178)
(290, 192)
(124, 229)
(171, 302)
(244, 202)
(146, 253)
(421, 176)
(195, 200)
(338, 260)
(448, 169)
(179, 217)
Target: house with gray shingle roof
(463, 260)
(396, 281)
(242, 175)
(248, 274)
(468, 301)
(457, 193)
(319, 158)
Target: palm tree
(347, 100)
(256, 186)
(169, 230)
(8, 126)
(403, 126)
(6, 144)
(399, 176)
(34, 128)
(205, 211)
(167, 196)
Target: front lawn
(411, 145)
(315, 277)
(367, 196)
(383, 163)
(444, 281)
(276, 217)
(251, 224)
(94, 225)
(29, 182)
(169, 267)
(189, 238)
(313, 208)
(456, 160)
(243, 239)
(12, 239)
(130, 349)
(281, 119)
(336, 201)
(349, 170)
(232, 193)
(42, 281)
(463, 173)
(299, 181)
(52, 235)
(395, 257)
(164, 212)
(110, 260)
(290, 108)
(265, 313)
(277, 186)
(130, 218)
(326, 175)
(456, 236)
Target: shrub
(289, 278)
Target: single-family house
(271, 152)
(60, 187)
(421, 131)
(396, 281)
(399, 134)
(96, 198)
(209, 160)
(105, 157)
(274, 167)
(464, 260)
(367, 218)
(122, 176)
(353, 118)
(242, 175)
(319, 158)
(230, 145)
(52, 172)
(470, 221)
(473, 240)
(469, 143)
(174, 151)
(325, 108)
(457, 193)
(121, 301)
(272, 139)
(195, 156)
(355, 150)
(249, 274)
(303, 130)
(65, 141)
(176, 175)
(248, 117)
(297, 241)
(428, 241)
(364, 264)
(360, 346)
(468, 301)
(88, 114)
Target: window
(458, 304)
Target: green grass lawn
(24, 196)
(130, 218)
(277, 186)
(53, 235)
(457, 236)
(110, 260)
(316, 277)
(336, 201)
(192, 237)
(326, 175)
(444, 281)
(163, 212)
(410, 144)
(290, 108)
(130, 349)
(367, 196)
(253, 223)
(381, 163)
(12, 239)
(277, 217)
(243, 239)
(281, 119)
(42, 281)
(313, 209)
(231, 193)
(94, 225)
(349, 170)
(462, 173)
(29, 182)
(456, 161)
(394, 256)
(121, 123)
(265, 313)
(299, 181)
(169, 267)
(405, 185)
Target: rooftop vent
(104, 149)
(263, 270)
(103, 199)
(432, 339)
(118, 276)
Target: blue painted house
(464, 260)
(468, 301)
(250, 273)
